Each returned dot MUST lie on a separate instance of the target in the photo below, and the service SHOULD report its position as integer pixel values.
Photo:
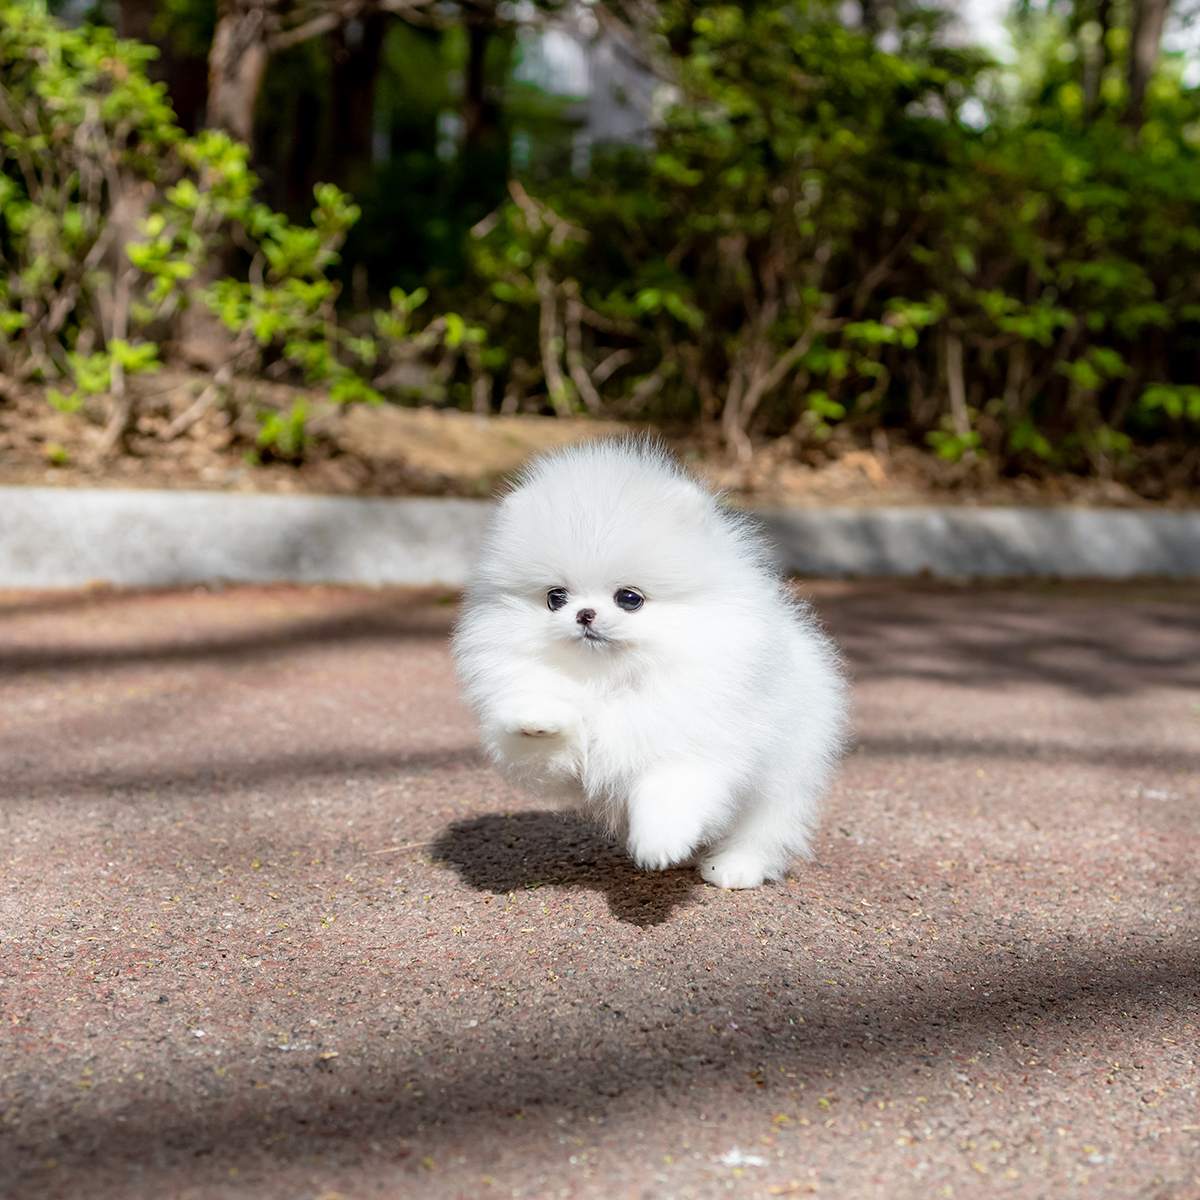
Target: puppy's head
(607, 547)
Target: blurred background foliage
(799, 224)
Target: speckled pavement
(270, 927)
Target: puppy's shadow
(504, 853)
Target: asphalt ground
(270, 927)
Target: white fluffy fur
(701, 728)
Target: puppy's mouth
(593, 637)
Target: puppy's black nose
(585, 616)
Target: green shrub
(111, 222)
(815, 237)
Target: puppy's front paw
(667, 811)
(536, 727)
(733, 869)
(658, 849)
(537, 717)
(660, 856)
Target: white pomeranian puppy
(631, 653)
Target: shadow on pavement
(337, 1112)
(32, 779)
(507, 853)
(1125, 757)
(1097, 648)
(393, 619)
(1099, 643)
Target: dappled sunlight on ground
(271, 927)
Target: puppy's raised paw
(539, 718)
(535, 728)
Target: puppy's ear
(689, 504)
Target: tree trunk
(236, 64)
(184, 73)
(483, 164)
(1095, 58)
(871, 18)
(1144, 45)
(481, 113)
(354, 48)
(136, 19)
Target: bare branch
(751, 382)
(880, 271)
(338, 14)
(575, 364)
(310, 29)
(819, 324)
(120, 401)
(194, 412)
(1065, 345)
(1014, 378)
(606, 324)
(614, 362)
(958, 392)
(551, 339)
(527, 204)
(538, 214)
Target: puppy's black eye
(629, 599)
(556, 598)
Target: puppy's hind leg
(670, 810)
(764, 839)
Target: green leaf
(1176, 400)
(63, 403)
(829, 410)
(1025, 436)
(953, 446)
(136, 360)
(350, 389)
(284, 434)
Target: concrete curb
(60, 537)
(1065, 543)
(67, 537)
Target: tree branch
(880, 271)
(575, 364)
(550, 339)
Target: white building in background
(586, 55)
